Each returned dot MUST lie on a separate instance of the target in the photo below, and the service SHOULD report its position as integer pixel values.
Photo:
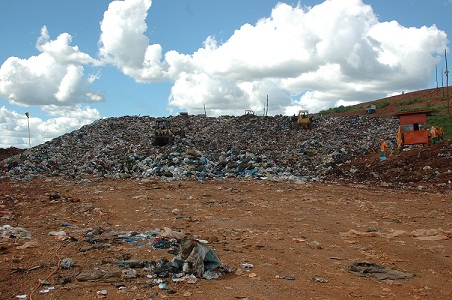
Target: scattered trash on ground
(382, 273)
(15, 232)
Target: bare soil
(299, 237)
(430, 99)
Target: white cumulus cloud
(124, 43)
(54, 80)
(337, 52)
(14, 126)
(54, 77)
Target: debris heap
(225, 147)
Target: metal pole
(436, 73)
(28, 119)
(447, 84)
(266, 112)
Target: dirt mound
(429, 99)
(418, 167)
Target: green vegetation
(412, 109)
(410, 102)
(432, 107)
(337, 110)
(351, 108)
(382, 104)
(445, 97)
(445, 122)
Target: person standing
(434, 134)
(440, 133)
(383, 148)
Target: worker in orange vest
(434, 134)
(383, 148)
(440, 133)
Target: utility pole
(447, 84)
(436, 74)
(266, 112)
(29, 137)
(442, 82)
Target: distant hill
(430, 99)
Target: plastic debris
(129, 273)
(102, 293)
(28, 245)
(67, 263)
(15, 232)
(47, 289)
(319, 280)
(209, 275)
(59, 235)
(196, 258)
(370, 269)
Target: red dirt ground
(310, 232)
(429, 99)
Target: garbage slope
(227, 146)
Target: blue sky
(69, 63)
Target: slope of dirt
(282, 240)
(430, 99)
(427, 167)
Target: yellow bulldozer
(304, 119)
(162, 133)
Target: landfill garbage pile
(8, 152)
(224, 147)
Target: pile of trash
(192, 258)
(225, 147)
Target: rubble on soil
(336, 149)
(242, 147)
(415, 167)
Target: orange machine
(413, 128)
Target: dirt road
(282, 240)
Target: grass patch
(411, 109)
(426, 107)
(338, 110)
(410, 102)
(382, 104)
